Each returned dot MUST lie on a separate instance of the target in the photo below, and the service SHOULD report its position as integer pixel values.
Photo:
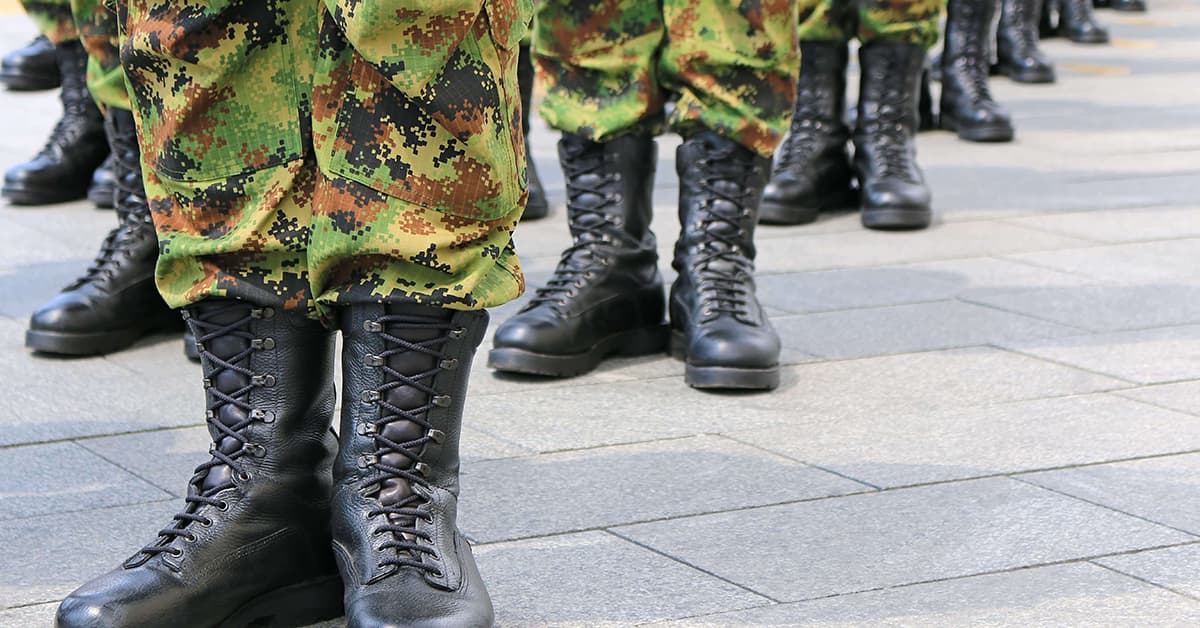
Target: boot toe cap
(748, 347)
(896, 195)
(84, 612)
(67, 312)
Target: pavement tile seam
(689, 565)
(1124, 394)
(803, 462)
(1065, 271)
(1083, 331)
(1191, 533)
(134, 473)
(1132, 383)
(79, 440)
(1152, 583)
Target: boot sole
(985, 133)
(896, 219)
(298, 605)
(1032, 78)
(636, 342)
(22, 82)
(20, 195)
(722, 377)
(776, 213)
(84, 344)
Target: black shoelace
(407, 542)
(723, 268)
(199, 497)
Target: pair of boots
(1017, 54)
(73, 163)
(967, 106)
(1073, 19)
(813, 167)
(115, 301)
(284, 525)
(606, 296)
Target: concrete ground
(993, 422)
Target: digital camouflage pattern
(609, 67)
(96, 26)
(316, 155)
(904, 21)
(52, 18)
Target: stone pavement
(992, 422)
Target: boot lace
(722, 267)
(406, 541)
(807, 130)
(199, 497)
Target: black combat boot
(1017, 53)
(402, 558)
(1076, 21)
(103, 191)
(63, 170)
(606, 296)
(812, 168)
(717, 324)
(537, 206)
(115, 302)
(894, 194)
(967, 106)
(252, 545)
(33, 67)
(928, 120)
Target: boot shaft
(889, 83)
(1017, 31)
(720, 187)
(821, 86)
(610, 187)
(130, 200)
(968, 32)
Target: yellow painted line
(10, 7)
(1134, 44)
(1098, 70)
(1133, 20)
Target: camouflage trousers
(610, 66)
(95, 25)
(312, 155)
(901, 21)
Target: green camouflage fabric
(315, 155)
(96, 25)
(901, 21)
(610, 66)
(53, 18)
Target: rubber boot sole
(1026, 76)
(722, 377)
(896, 219)
(802, 213)
(298, 605)
(635, 342)
(981, 133)
(24, 195)
(95, 343)
(26, 82)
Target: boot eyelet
(256, 450)
(266, 381)
(435, 574)
(449, 364)
(369, 396)
(175, 551)
(205, 523)
(437, 436)
(458, 332)
(242, 476)
(263, 343)
(423, 469)
(373, 327)
(190, 538)
(266, 416)
(372, 361)
(366, 429)
(366, 461)
(442, 401)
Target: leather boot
(103, 190)
(927, 119)
(1076, 21)
(967, 106)
(894, 194)
(606, 295)
(402, 558)
(717, 324)
(62, 171)
(1017, 52)
(115, 302)
(32, 67)
(252, 544)
(812, 168)
(537, 205)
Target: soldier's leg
(34, 66)
(597, 61)
(895, 35)
(734, 67)
(418, 128)
(221, 97)
(967, 106)
(114, 302)
(812, 165)
(538, 206)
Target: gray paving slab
(1182, 396)
(1175, 568)
(614, 485)
(65, 478)
(848, 390)
(47, 557)
(1103, 306)
(1079, 595)
(1162, 489)
(1151, 262)
(908, 328)
(597, 579)
(1124, 225)
(893, 449)
(29, 616)
(1148, 356)
(857, 543)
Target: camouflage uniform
(898, 21)
(96, 27)
(53, 19)
(610, 65)
(319, 154)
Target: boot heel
(298, 605)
